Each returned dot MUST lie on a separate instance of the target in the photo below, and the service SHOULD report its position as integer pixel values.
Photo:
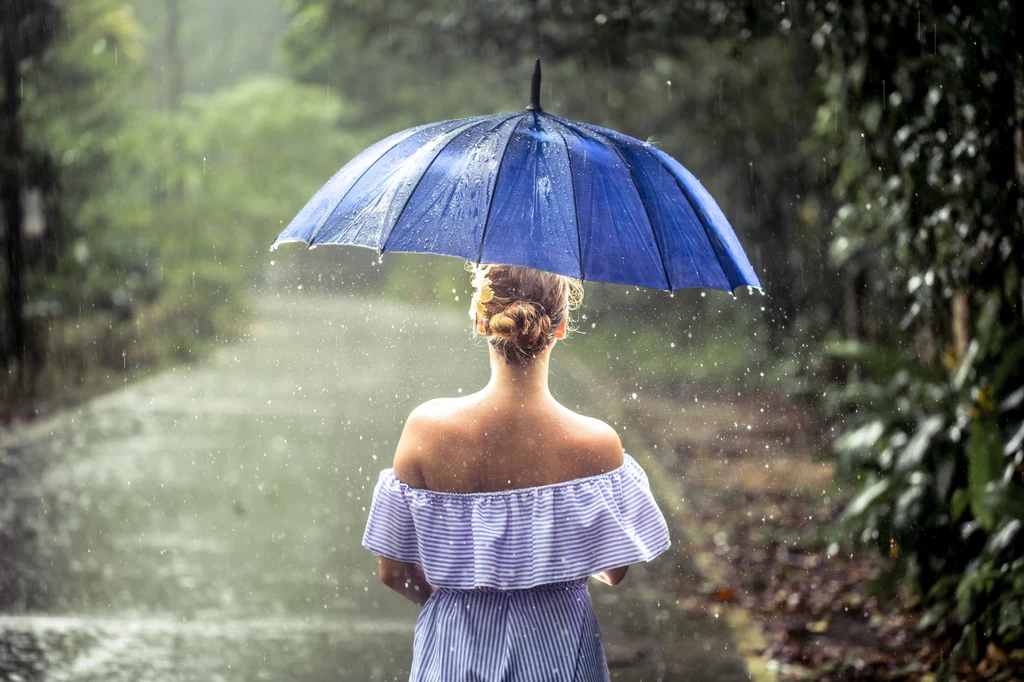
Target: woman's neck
(519, 384)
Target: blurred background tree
(920, 124)
(146, 214)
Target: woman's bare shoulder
(597, 443)
(426, 429)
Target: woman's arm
(613, 576)
(416, 442)
(406, 579)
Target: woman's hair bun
(523, 323)
(521, 307)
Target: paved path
(205, 523)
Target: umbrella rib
(354, 183)
(361, 175)
(575, 200)
(426, 170)
(697, 213)
(647, 211)
(494, 190)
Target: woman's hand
(613, 576)
(406, 579)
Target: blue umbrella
(531, 189)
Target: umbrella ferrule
(535, 89)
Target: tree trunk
(856, 329)
(961, 323)
(175, 68)
(10, 180)
(778, 281)
(856, 285)
(1019, 140)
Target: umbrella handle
(535, 89)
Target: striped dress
(511, 570)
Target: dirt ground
(760, 506)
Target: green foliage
(198, 189)
(915, 121)
(88, 74)
(221, 42)
(387, 56)
(942, 481)
(77, 93)
(168, 210)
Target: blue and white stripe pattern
(511, 569)
(547, 633)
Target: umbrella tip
(535, 89)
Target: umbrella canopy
(531, 189)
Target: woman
(501, 504)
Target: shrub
(939, 458)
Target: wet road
(205, 523)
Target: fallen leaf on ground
(725, 594)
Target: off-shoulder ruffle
(518, 539)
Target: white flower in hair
(483, 293)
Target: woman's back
(478, 443)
